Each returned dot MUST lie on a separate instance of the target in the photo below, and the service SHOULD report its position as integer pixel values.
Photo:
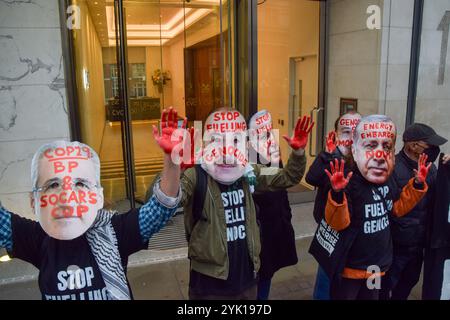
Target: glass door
(100, 80)
(146, 82)
(179, 55)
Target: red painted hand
(422, 172)
(331, 138)
(337, 178)
(301, 133)
(169, 123)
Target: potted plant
(160, 78)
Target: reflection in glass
(178, 53)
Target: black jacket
(410, 230)
(277, 233)
(437, 253)
(317, 177)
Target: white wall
(353, 58)
(373, 65)
(370, 65)
(32, 93)
(433, 100)
(395, 62)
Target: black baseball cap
(422, 132)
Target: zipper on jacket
(253, 252)
(221, 233)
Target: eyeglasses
(57, 185)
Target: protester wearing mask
(359, 207)
(338, 146)
(81, 249)
(222, 231)
(410, 231)
(274, 212)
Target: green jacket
(208, 249)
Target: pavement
(164, 274)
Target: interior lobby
(183, 54)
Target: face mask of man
(262, 138)
(225, 152)
(374, 148)
(344, 134)
(67, 198)
(432, 152)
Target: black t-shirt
(370, 207)
(241, 275)
(67, 268)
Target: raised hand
(337, 179)
(422, 168)
(300, 137)
(330, 144)
(169, 123)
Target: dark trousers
(352, 289)
(264, 288)
(403, 274)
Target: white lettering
(74, 20)
(374, 20)
(374, 281)
(62, 284)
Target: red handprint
(169, 123)
(337, 178)
(422, 172)
(331, 138)
(300, 137)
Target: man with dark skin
(409, 232)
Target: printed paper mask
(344, 134)
(225, 152)
(67, 197)
(262, 138)
(374, 148)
